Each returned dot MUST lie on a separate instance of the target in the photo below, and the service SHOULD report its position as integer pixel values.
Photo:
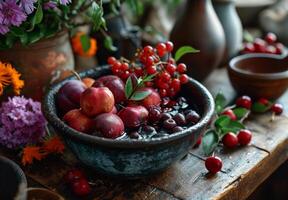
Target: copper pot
(41, 63)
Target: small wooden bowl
(259, 75)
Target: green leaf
(233, 126)
(136, 6)
(85, 42)
(38, 17)
(108, 44)
(96, 15)
(260, 108)
(184, 50)
(240, 112)
(128, 87)
(209, 142)
(222, 121)
(220, 102)
(140, 95)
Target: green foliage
(183, 51)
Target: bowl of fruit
(131, 118)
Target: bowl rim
(54, 120)
(264, 76)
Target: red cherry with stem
(230, 113)
(111, 60)
(171, 68)
(176, 84)
(151, 70)
(169, 46)
(183, 78)
(161, 49)
(244, 102)
(181, 68)
(73, 175)
(249, 48)
(244, 137)
(230, 140)
(213, 164)
(81, 187)
(263, 101)
(271, 38)
(277, 108)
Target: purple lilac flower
(65, 2)
(12, 13)
(21, 122)
(50, 5)
(27, 5)
(4, 29)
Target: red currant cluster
(153, 61)
(77, 180)
(268, 45)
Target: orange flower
(9, 76)
(78, 47)
(54, 145)
(30, 153)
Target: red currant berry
(169, 46)
(183, 78)
(148, 50)
(171, 61)
(124, 66)
(172, 92)
(73, 175)
(138, 71)
(230, 140)
(149, 61)
(165, 76)
(163, 85)
(181, 68)
(111, 60)
(213, 164)
(161, 49)
(198, 143)
(176, 84)
(244, 102)
(125, 75)
(277, 108)
(163, 93)
(81, 187)
(117, 65)
(271, 38)
(171, 68)
(263, 101)
(259, 45)
(248, 48)
(230, 114)
(151, 70)
(244, 137)
(149, 84)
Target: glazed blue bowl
(131, 158)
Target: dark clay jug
(199, 27)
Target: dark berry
(154, 115)
(244, 137)
(169, 124)
(230, 113)
(177, 129)
(192, 117)
(73, 175)
(277, 108)
(271, 38)
(244, 102)
(148, 129)
(81, 187)
(180, 119)
(134, 135)
(230, 140)
(213, 164)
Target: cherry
(249, 48)
(161, 49)
(169, 124)
(244, 101)
(259, 45)
(124, 66)
(230, 140)
(81, 187)
(149, 61)
(111, 60)
(180, 119)
(177, 129)
(263, 101)
(230, 114)
(271, 50)
(244, 137)
(181, 68)
(277, 108)
(183, 78)
(171, 68)
(213, 164)
(73, 175)
(271, 38)
(154, 115)
(169, 46)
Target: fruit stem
(273, 116)
(76, 74)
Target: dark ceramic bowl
(131, 158)
(259, 75)
(13, 183)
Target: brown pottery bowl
(131, 158)
(259, 75)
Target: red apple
(133, 116)
(152, 100)
(115, 84)
(68, 97)
(95, 101)
(109, 125)
(78, 121)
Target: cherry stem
(273, 116)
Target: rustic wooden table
(243, 171)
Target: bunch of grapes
(156, 62)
